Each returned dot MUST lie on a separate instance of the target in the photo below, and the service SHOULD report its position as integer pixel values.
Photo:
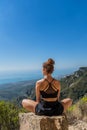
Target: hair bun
(51, 61)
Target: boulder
(30, 121)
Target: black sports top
(50, 90)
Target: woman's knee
(24, 103)
(67, 102)
(70, 100)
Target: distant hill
(14, 90)
(73, 86)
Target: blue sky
(31, 31)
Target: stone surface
(30, 121)
(78, 125)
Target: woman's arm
(37, 91)
(59, 88)
(57, 84)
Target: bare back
(43, 85)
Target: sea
(17, 76)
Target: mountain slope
(75, 85)
(13, 90)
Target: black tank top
(50, 90)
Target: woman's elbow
(38, 100)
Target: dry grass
(78, 111)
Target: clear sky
(31, 31)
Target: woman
(47, 94)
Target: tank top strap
(49, 82)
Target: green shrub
(8, 116)
(83, 106)
(78, 110)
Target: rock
(30, 121)
(78, 125)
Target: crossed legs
(30, 104)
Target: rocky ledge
(30, 121)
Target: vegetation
(78, 110)
(9, 119)
(75, 85)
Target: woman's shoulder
(56, 81)
(40, 81)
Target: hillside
(13, 90)
(73, 86)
